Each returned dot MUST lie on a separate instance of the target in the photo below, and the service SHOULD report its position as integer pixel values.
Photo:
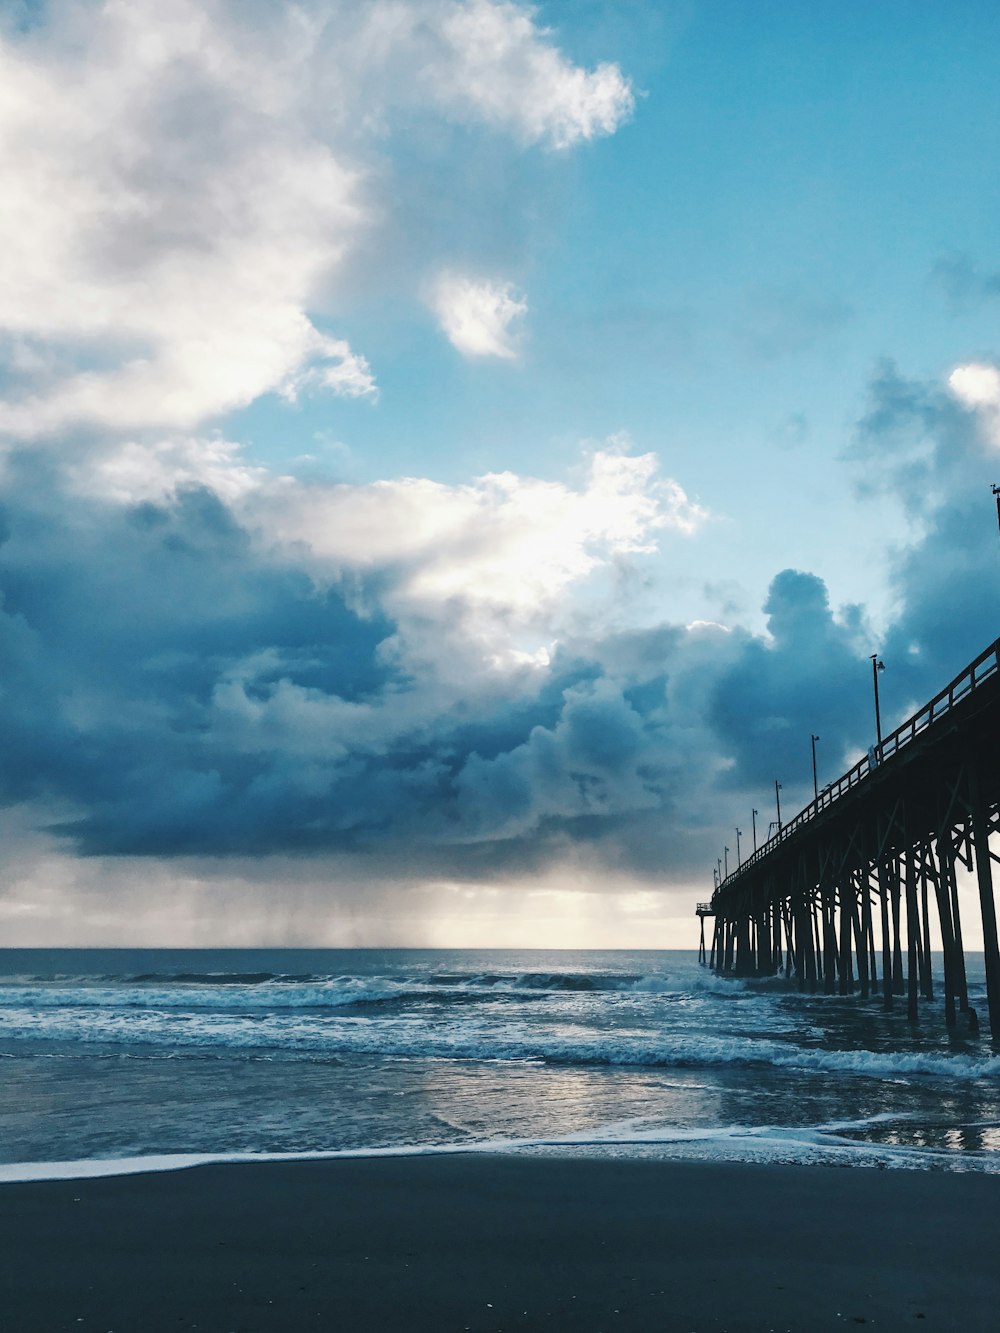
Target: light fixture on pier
(815, 783)
(753, 816)
(877, 666)
(777, 800)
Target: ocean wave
(203, 997)
(346, 1034)
(268, 990)
(215, 978)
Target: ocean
(111, 1058)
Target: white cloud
(184, 189)
(504, 540)
(474, 574)
(476, 315)
(501, 540)
(500, 64)
(132, 472)
(977, 387)
(165, 223)
(340, 370)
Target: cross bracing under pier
(842, 897)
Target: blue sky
(455, 454)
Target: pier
(841, 897)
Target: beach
(595, 1141)
(495, 1242)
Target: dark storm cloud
(118, 624)
(183, 690)
(809, 679)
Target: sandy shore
(431, 1245)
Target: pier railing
(986, 665)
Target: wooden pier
(841, 898)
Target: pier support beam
(984, 874)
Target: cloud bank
(229, 662)
(243, 663)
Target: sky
(455, 454)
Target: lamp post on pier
(877, 666)
(725, 853)
(739, 859)
(777, 801)
(753, 816)
(815, 783)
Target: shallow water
(118, 1054)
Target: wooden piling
(861, 950)
(846, 971)
(984, 875)
(912, 936)
(926, 971)
(883, 893)
(895, 890)
(943, 898)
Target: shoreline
(493, 1242)
(795, 1147)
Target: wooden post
(926, 975)
(744, 959)
(846, 970)
(810, 950)
(961, 980)
(867, 926)
(764, 944)
(861, 949)
(912, 935)
(776, 923)
(897, 946)
(947, 935)
(800, 943)
(984, 874)
(883, 894)
(829, 944)
(730, 942)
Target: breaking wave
(347, 1033)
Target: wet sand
(491, 1243)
